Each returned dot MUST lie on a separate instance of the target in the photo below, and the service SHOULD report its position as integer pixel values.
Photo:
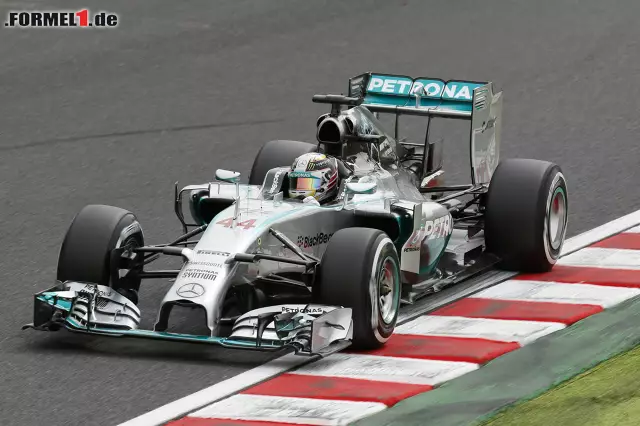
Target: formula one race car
(271, 271)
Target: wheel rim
(388, 289)
(557, 218)
(130, 243)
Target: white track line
(283, 409)
(594, 235)
(387, 369)
(221, 390)
(523, 332)
(281, 365)
(610, 258)
(544, 291)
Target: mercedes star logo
(190, 291)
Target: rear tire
(526, 214)
(355, 265)
(85, 255)
(277, 154)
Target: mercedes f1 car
(271, 272)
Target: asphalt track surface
(180, 88)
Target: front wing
(95, 309)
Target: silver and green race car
(273, 273)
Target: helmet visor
(305, 183)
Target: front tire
(360, 269)
(85, 255)
(526, 217)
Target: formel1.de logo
(60, 19)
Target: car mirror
(227, 176)
(361, 188)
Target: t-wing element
(361, 187)
(227, 176)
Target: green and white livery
(269, 272)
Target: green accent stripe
(48, 297)
(266, 344)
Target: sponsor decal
(202, 274)
(289, 309)
(429, 88)
(300, 175)
(316, 165)
(415, 242)
(390, 85)
(214, 253)
(92, 289)
(431, 230)
(439, 228)
(418, 236)
(315, 240)
(302, 162)
(276, 182)
(212, 264)
(190, 291)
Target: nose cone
(205, 279)
(203, 283)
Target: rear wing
(433, 97)
(420, 96)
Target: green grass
(608, 394)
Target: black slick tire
(523, 199)
(349, 276)
(85, 255)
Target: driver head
(314, 175)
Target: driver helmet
(314, 175)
